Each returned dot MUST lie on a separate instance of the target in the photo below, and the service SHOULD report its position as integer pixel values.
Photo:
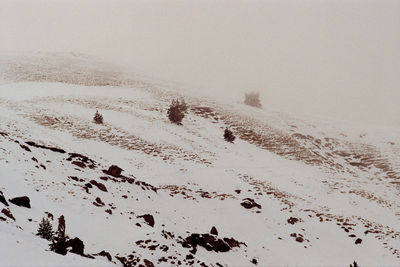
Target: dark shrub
(253, 99)
(98, 118)
(45, 230)
(228, 136)
(59, 241)
(176, 111)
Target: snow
(194, 159)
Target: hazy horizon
(339, 59)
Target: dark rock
(76, 179)
(232, 242)
(3, 199)
(25, 147)
(100, 186)
(149, 219)
(8, 213)
(109, 211)
(358, 241)
(77, 246)
(81, 160)
(114, 170)
(214, 231)
(221, 246)
(148, 263)
(210, 243)
(104, 254)
(299, 239)
(292, 220)
(143, 185)
(153, 247)
(54, 149)
(164, 248)
(254, 261)
(21, 201)
(98, 202)
(238, 191)
(49, 215)
(79, 164)
(249, 203)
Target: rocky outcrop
(81, 160)
(210, 243)
(104, 253)
(249, 203)
(3, 199)
(114, 171)
(21, 201)
(149, 219)
(8, 213)
(148, 263)
(54, 149)
(100, 186)
(98, 202)
(76, 246)
(214, 231)
(292, 220)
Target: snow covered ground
(318, 193)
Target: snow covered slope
(289, 191)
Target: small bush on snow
(45, 229)
(98, 118)
(176, 111)
(228, 136)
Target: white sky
(337, 59)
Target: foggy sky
(338, 59)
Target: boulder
(210, 243)
(100, 186)
(149, 219)
(214, 231)
(76, 246)
(8, 213)
(148, 263)
(21, 201)
(292, 220)
(249, 203)
(114, 170)
(80, 164)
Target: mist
(336, 59)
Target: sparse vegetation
(176, 111)
(45, 229)
(228, 136)
(98, 118)
(253, 99)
